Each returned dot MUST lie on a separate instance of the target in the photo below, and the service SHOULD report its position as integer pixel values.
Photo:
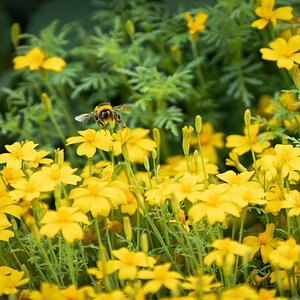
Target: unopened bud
(60, 158)
(25, 270)
(46, 102)
(15, 32)
(127, 228)
(176, 53)
(125, 152)
(156, 136)
(146, 163)
(195, 156)
(14, 224)
(198, 124)
(57, 190)
(144, 242)
(247, 117)
(174, 204)
(130, 28)
(154, 154)
(186, 141)
(296, 75)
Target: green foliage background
(104, 64)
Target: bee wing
(124, 107)
(84, 117)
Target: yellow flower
(187, 187)
(5, 235)
(242, 292)
(182, 219)
(274, 200)
(264, 242)
(114, 295)
(35, 60)
(48, 291)
(131, 206)
(200, 283)
(160, 276)
(215, 204)
(98, 198)
(8, 206)
(18, 154)
(210, 140)
(127, 263)
(292, 201)
(54, 173)
(101, 271)
(74, 293)
(225, 255)
(31, 188)
(10, 279)
(65, 219)
(198, 24)
(186, 140)
(10, 175)
(40, 159)
(138, 143)
(287, 282)
(269, 295)
(241, 143)
(231, 178)
(267, 14)
(286, 255)
(284, 52)
(91, 139)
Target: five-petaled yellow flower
(284, 52)
(35, 60)
(267, 14)
(91, 139)
(65, 219)
(197, 24)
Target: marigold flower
(98, 198)
(54, 173)
(30, 188)
(188, 187)
(8, 206)
(40, 159)
(225, 255)
(114, 295)
(10, 279)
(35, 60)
(287, 282)
(210, 140)
(284, 52)
(72, 292)
(286, 255)
(215, 205)
(66, 220)
(47, 291)
(131, 206)
(264, 242)
(18, 154)
(138, 143)
(182, 219)
(91, 139)
(292, 201)
(127, 263)
(242, 292)
(160, 276)
(269, 295)
(268, 15)
(11, 175)
(241, 143)
(5, 235)
(197, 24)
(274, 199)
(231, 178)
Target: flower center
(161, 274)
(285, 155)
(130, 198)
(30, 188)
(204, 138)
(10, 283)
(90, 136)
(186, 188)
(94, 189)
(287, 52)
(17, 153)
(268, 14)
(263, 238)
(129, 259)
(214, 200)
(63, 215)
(55, 174)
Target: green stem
(202, 158)
(70, 262)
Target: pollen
(263, 238)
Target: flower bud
(127, 228)
(195, 156)
(15, 32)
(176, 53)
(144, 242)
(174, 204)
(156, 136)
(186, 141)
(198, 124)
(125, 152)
(146, 163)
(57, 190)
(46, 102)
(247, 117)
(296, 75)
(14, 224)
(60, 158)
(130, 28)
(154, 154)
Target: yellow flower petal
(86, 149)
(54, 64)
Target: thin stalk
(70, 262)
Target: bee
(104, 113)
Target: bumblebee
(104, 113)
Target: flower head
(47, 291)
(197, 24)
(65, 219)
(284, 52)
(35, 60)
(268, 15)
(292, 201)
(18, 153)
(5, 234)
(128, 261)
(91, 139)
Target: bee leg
(101, 125)
(118, 118)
